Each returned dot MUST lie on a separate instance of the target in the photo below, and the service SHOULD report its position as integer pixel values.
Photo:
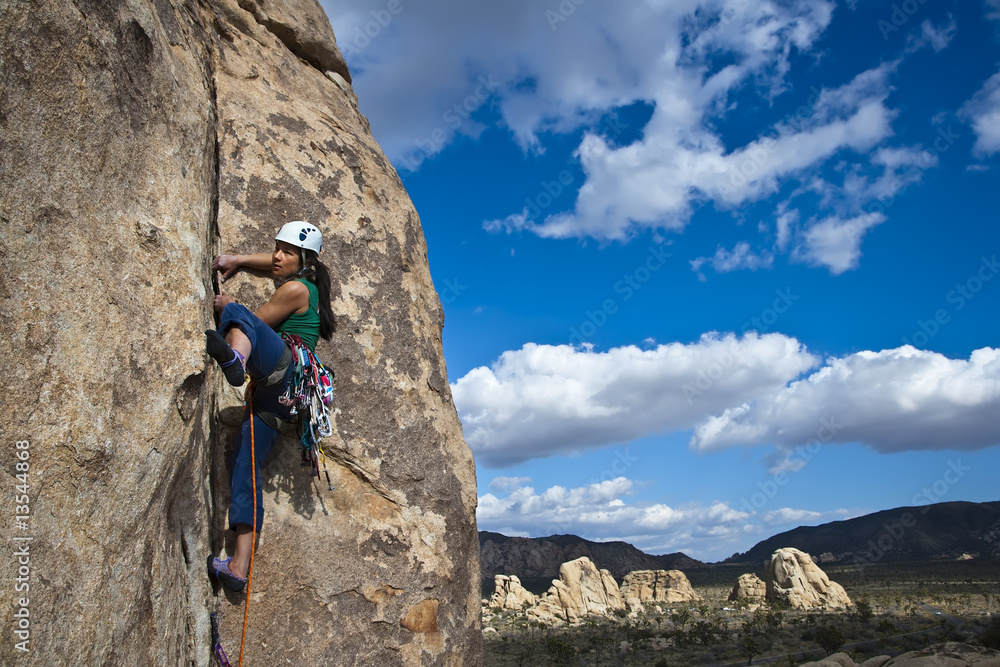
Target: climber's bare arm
(290, 298)
(260, 261)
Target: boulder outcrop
(580, 590)
(793, 577)
(138, 140)
(540, 557)
(949, 654)
(650, 586)
(510, 594)
(749, 587)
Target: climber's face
(285, 261)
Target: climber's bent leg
(239, 342)
(230, 361)
(265, 346)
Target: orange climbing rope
(253, 528)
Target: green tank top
(305, 325)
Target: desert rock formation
(792, 577)
(950, 654)
(540, 557)
(749, 587)
(650, 586)
(509, 594)
(138, 140)
(580, 590)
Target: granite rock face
(650, 586)
(792, 576)
(749, 587)
(580, 590)
(949, 654)
(138, 139)
(510, 594)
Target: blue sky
(710, 270)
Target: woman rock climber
(250, 344)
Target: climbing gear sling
(310, 394)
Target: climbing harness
(310, 394)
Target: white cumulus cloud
(786, 516)
(504, 483)
(602, 511)
(728, 391)
(554, 68)
(892, 400)
(937, 37)
(543, 400)
(992, 9)
(741, 257)
(656, 181)
(835, 242)
(983, 112)
(605, 511)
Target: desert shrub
(863, 609)
(886, 627)
(749, 648)
(829, 638)
(991, 638)
(560, 650)
(680, 618)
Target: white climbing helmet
(301, 235)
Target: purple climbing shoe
(220, 570)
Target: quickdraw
(220, 653)
(310, 393)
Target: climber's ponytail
(317, 272)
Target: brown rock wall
(137, 141)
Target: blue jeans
(266, 350)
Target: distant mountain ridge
(540, 557)
(945, 531)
